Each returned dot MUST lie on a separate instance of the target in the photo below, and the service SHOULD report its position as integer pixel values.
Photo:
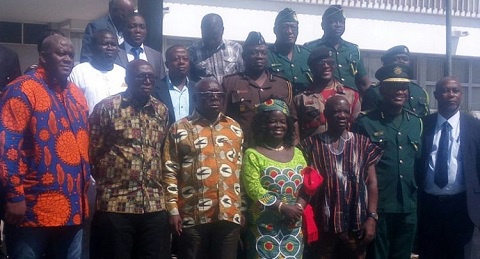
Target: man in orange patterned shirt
(202, 157)
(44, 163)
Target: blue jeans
(34, 242)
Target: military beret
(400, 49)
(286, 15)
(319, 53)
(254, 38)
(393, 73)
(334, 11)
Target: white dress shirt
(456, 181)
(180, 99)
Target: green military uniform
(417, 99)
(400, 137)
(349, 61)
(295, 70)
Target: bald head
(56, 57)
(140, 79)
(132, 67)
(212, 30)
(337, 113)
(119, 10)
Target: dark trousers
(394, 236)
(444, 226)
(218, 240)
(43, 242)
(124, 235)
(341, 245)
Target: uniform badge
(378, 133)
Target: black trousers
(444, 226)
(124, 235)
(218, 240)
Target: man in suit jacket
(118, 11)
(133, 48)
(176, 89)
(449, 180)
(9, 67)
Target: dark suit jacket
(470, 155)
(154, 57)
(9, 66)
(161, 92)
(101, 23)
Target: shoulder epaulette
(234, 74)
(364, 113)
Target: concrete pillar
(152, 11)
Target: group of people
(251, 151)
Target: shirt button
(411, 97)
(413, 109)
(399, 133)
(295, 78)
(339, 65)
(292, 65)
(401, 176)
(400, 147)
(343, 79)
(401, 161)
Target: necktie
(441, 163)
(136, 52)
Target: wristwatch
(373, 215)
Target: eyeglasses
(323, 62)
(210, 95)
(144, 77)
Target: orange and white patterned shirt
(202, 170)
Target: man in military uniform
(417, 100)
(350, 70)
(246, 89)
(310, 104)
(284, 56)
(398, 131)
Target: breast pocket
(277, 68)
(414, 143)
(352, 62)
(230, 65)
(241, 102)
(380, 141)
(123, 127)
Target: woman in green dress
(272, 178)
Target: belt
(445, 198)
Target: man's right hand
(15, 212)
(176, 224)
(292, 212)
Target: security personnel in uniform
(398, 131)
(310, 104)
(350, 69)
(284, 56)
(417, 96)
(246, 89)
